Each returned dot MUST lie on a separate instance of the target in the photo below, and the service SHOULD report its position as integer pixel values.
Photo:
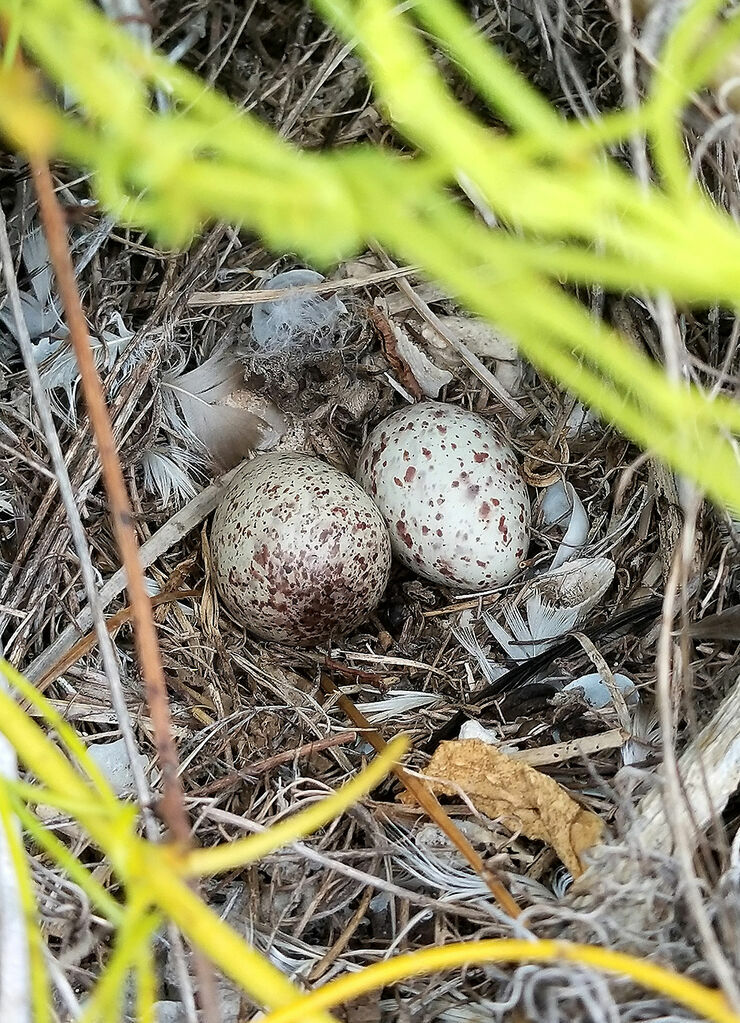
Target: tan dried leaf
(521, 798)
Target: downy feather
(190, 403)
(544, 625)
(169, 471)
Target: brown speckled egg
(300, 552)
(451, 494)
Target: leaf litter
(514, 794)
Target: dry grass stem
(243, 735)
(150, 661)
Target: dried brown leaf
(521, 798)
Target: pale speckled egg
(300, 552)
(450, 491)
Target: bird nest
(192, 390)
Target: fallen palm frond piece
(578, 215)
(523, 799)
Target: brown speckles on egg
(300, 552)
(404, 534)
(451, 533)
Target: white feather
(169, 472)
(434, 864)
(544, 625)
(399, 702)
(298, 324)
(40, 319)
(467, 639)
(191, 404)
(37, 261)
(58, 369)
(560, 505)
(39, 309)
(548, 622)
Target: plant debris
(191, 389)
(512, 793)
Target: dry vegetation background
(257, 736)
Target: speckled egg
(451, 494)
(300, 552)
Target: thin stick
(429, 802)
(332, 954)
(261, 766)
(674, 803)
(145, 635)
(172, 804)
(107, 650)
(559, 752)
(218, 298)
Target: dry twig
(145, 635)
(428, 802)
(150, 660)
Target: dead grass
(256, 736)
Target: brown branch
(172, 805)
(145, 635)
(86, 644)
(261, 766)
(428, 802)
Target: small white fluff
(473, 729)
(596, 693)
(304, 321)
